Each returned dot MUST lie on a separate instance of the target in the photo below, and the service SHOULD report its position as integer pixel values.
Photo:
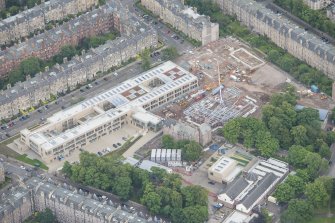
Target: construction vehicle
(323, 96)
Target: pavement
(14, 169)
(124, 73)
(146, 137)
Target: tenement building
(128, 103)
(135, 37)
(184, 19)
(286, 34)
(68, 204)
(70, 74)
(36, 18)
(317, 4)
(331, 12)
(2, 4)
(2, 173)
(49, 43)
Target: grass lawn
(240, 159)
(317, 219)
(33, 162)
(5, 150)
(124, 147)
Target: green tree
(151, 199)
(299, 135)
(191, 151)
(45, 217)
(146, 61)
(169, 53)
(325, 151)
(313, 163)
(194, 195)
(296, 156)
(266, 144)
(317, 194)
(30, 66)
(168, 142)
(195, 214)
(67, 169)
(231, 131)
(122, 187)
(284, 192)
(307, 115)
(298, 211)
(274, 55)
(297, 183)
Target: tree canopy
(315, 18)
(160, 192)
(169, 53)
(190, 150)
(295, 67)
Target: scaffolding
(215, 112)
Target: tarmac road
(131, 70)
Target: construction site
(221, 67)
(234, 81)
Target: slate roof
(286, 27)
(81, 202)
(236, 188)
(258, 190)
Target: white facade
(221, 169)
(246, 192)
(127, 103)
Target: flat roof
(222, 164)
(147, 165)
(147, 117)
(117, 96)
(236, 217)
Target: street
(38, 117)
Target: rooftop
(49, 137)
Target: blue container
(217, 90)
(214, 147)
(314, 88)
